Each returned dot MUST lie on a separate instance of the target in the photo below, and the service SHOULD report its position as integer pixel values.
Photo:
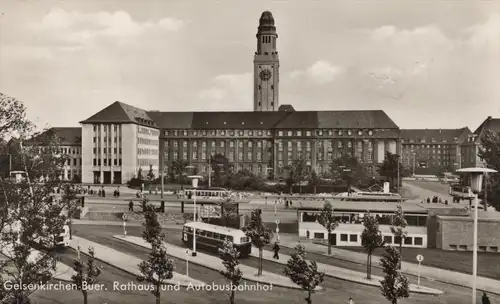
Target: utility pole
(210, 170)
(10, 163)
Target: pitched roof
(119, 112)
(236, 120)
(65, 136)
(438, 135)
(372, 119)
(489, 124)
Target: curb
(373, 283)
(425, 277)
(135, 274)
(319, 288)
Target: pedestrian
(428, 200)
(350, 301)
(131, 206)
(485, 299)
(103, 192)
(276, 249)
(100, 193)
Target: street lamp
(476, 183)
(194, 179)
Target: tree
(259, 234)
(151, 174)
(177, 169)
(304, 273)
(220, 166)
(348, 169)
(314, 180)
(297, 172)
(371, 239)
(395, 285)
(489, 152)
(398, 227)
(85, 275)
(327, 219)
(389, 168)
(229, 256)
(158, 268)
(70, 204)
(28, 212)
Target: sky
(426, 63)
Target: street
(334, 288)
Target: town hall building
(121, 139)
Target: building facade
(432, 151)
(350, 217)
(120, 140)
(69, 143)
(472, 145)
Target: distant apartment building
(69, 143)
(470, 148)
(431, 151)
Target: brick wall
(456, 233)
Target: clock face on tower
(265, 75)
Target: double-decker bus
(211, 237)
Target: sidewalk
(430, 273)
(126, 262)
(344, 274)
(212, 262)
(136, 223)
(63, 272)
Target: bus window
(244, 240)
(216, 236)
(209, 234)
(229, 238)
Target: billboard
(210, 211)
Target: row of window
(147, 162)
(106, 128)
(203, 168)
(355, 218)
(145, 151)
(406, 146)
(266, 132)
(147, 141)
(106, 140)
(203, 155)
(106, 162)
(222, 144)
(107, 150)
(480, 248)
(148, 131)
(74, 162)
(433, 140)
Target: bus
(211, 237)
(209, 193)
(371, 197)
(460, 192)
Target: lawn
(488, 264)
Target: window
(388, 239)
(319, 235)
(299, 133)
(222, 143)
(222, 132)
(280, 133)
(95, 162)
(308, 133)
(249, 155)
(290, 133)
(250, 133)
(453, 247)
(397, 240)
(482, 248)
(462, 247)
(353, 238)
(343, 237)
(195, 133)
(241, 133)
(95, 150)
(408, 241)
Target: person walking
(131, 206)
(276, 249)
(350, 301)
(485, 299)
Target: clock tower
(266, 66)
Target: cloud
(77, 27)
(229, 91)
(320, 72)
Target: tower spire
(266, 65)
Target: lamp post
(194, 179)
(476, 184)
